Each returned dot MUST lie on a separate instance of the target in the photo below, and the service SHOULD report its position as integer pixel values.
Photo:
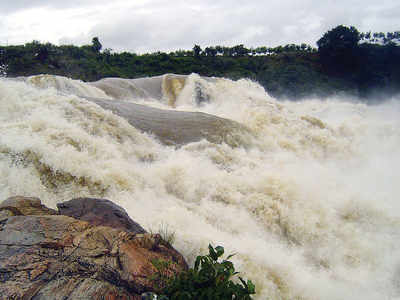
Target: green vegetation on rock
(210, 278)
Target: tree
(196, 50)
(219, 49)
(240, 50)
(339, 38)
(337, 47)
(96, 45)
(3, 70)
(210, 51)
(43, 52)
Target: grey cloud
(182, 25)
(169, 25)
(7, 7)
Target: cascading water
(307, 198)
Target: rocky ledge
(88, 249)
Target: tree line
(241, 50)
(346, 61)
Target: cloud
(165, 27)
(7, 7)
(148, 25)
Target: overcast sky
(152, 25)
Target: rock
(200, 96)
(26, 206)
(99, 212)
(59, 257)
(179, 128)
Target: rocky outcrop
(178, 128)
(99, 212)
(45, 255)
(25, 206)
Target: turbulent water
(305, 193)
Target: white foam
(311, 210)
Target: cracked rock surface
(45, 255)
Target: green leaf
(220, 250)
(228, 266)
(229, 256)
(251, 287)
(243, 282)
(213, 254)
(197, 263)
(209, 279)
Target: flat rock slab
(178, 127)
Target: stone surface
(179, 128)
(59, 257)
(26, 206)
(99, 212)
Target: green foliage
(196, 50)
(339, 38)
(166, 233)
(347, 61)
(381, 37)
(210, 278)
(161, 278)
(338, 48)
(3, 70)
(96, 45)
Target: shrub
(210, 278)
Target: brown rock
(20, 205)
(99, 212)
(59, 257)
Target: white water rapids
(309, 200)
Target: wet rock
(26, 206)
(201, 96)
(60, 257)
(99, 212)
(178, 128)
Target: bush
(211, 278)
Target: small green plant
(209, 279)
(161, 277)
(166, 233)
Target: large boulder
(99, 212)
(50, 256)
(173, 127)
